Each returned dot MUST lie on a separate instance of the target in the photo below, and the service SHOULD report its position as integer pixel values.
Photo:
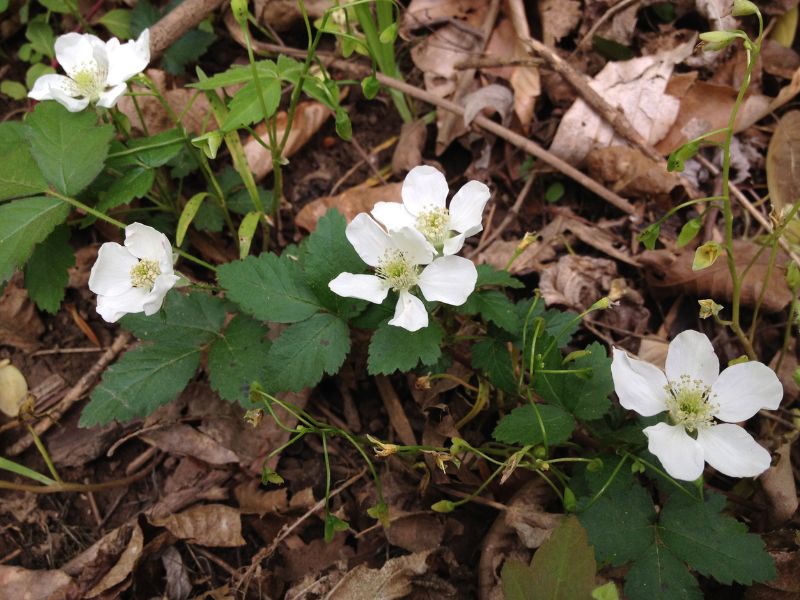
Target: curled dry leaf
(206, 525)
(577, 282)
(20, 325)
(638, 88)
(559, 17)
(408, 152)
(779, 485)
(630, 173)
(16, 582)
(783, 165)
(349, 203)
(670, 273)
(252, 499)
(308, 118)
(498, 98)
(179, 586)
(185, 440)
(393, 580)
(282, 15)
(124, 566)
(416, 532)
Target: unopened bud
(528, 239)
(254, 416)
(443, 506)
(706, 255)
(709, 308)
(423, 383)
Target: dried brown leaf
(629, 172)
(350, 202)
(20, 325)
(783, 163)
(495, 97)
(779, 485)
(670, 273)
(408, 152)
(179, 586)
(20, 583)
(308, 118)
(252, 499)
(577, 282)
(416, 532)
(206, 524)
(559, 17)
(393, 580)
(185, 440)
(124, 566)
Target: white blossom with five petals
(702, 404)
(96, 70)
(424, 208)
(135, 277)
(398, 258)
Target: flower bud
(254, 416)
(706, 255)
(743, 8)
(239, 9)
(709, 308)
(443, 506)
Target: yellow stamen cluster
(397, 270)
(434, 224)
(690, 403)
(145, 273)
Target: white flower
(697, 395)
(97, 70)
(397, 258)
(424, 208)
(134, 277)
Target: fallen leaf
(577, 282)
(22, 584)
(783, 165)
(426, 13)
(670, 273)
(393, 580)
(779, 485)
(416, 532)
(20, 325)
(350, 202)
(495, 97)
(190, 482)
(630, 173)
(206, 525)
(253, 499)
(185, 440)
(559, 18)
(309, 117)
(124, 566)
(408, 152)
(303, 559)
(787, 583)
(637, 88)
(179, 586)
(282, 15)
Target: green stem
(45, 454)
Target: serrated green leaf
(236, 75)
(46, 273)
(118, 22)
(23, 224)
(329, 253)
(493, 358)
(659, 575)
(19, 173)
(134, 184)
(188, 49)
(585, 396)
(237, 358)
(396, 349)
(306, 350)
(517, 581)
(141, 381)
(620, 523)
(53, 133)
(191, 319)
(269, 288)
(563, 568)
(493, 306)
(523, 427)
(245, 107)
(488, 275)
(713, 544)
(154, 151)
(557, 323)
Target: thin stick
(510, 216)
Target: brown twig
(73, 395)
(171, 27)
(397, 416)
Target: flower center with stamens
(434, 224)
(144, 274)
(690, 403)
(90, 81)
(397, 270)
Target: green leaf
(152, 152)
(688, 232)
(188, 49)
(493, 306)
(46, 273)
(585, 396)
(118, 22)
(554, 192)
(370, 87)
(620, 523)
(563, 568)
(517, 580)
(19, 173)
(558, 324)
(396, 349)
(649, 236)
(677, 158)
(713, 544)
(237, 358)
(659, 575)
(23, 224)
(144, 379)
(488, 275)
(58, 6)
(245, 107)
(247, 229)
(13, 89)
(306, 350)
(41, 37)
(187, 215)
(522, 426)
(269, 288)
(493, 358)
(34, 72)
(236, 75)
(192, 319)
(610, 49)
(136, 183)
(344, 127)
(329, 253)
(70, 148)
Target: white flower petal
(681, 456)
(453, 245)
(409, 313)
(112, 308)
(129, 59)
(449, 279)
(466, 208)
(393, 215)
(155, 298)
(365, 287)
(744, 389)
(639, 385)
(75, 52)
(692, 354)
(108, 99)
(111, 273)
(424, 188)
(42, 88)
(368, 238)
(69, 102)
(419, 250)
(732, 451)
(145, 242)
